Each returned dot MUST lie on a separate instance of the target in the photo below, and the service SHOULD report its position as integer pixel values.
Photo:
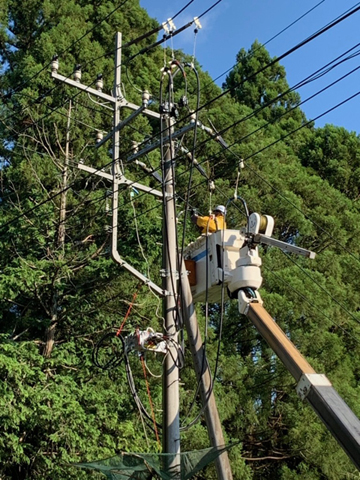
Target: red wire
(143, 364)
(128, 311)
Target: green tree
(60, 292)
(258, 81)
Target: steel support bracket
(167, 273)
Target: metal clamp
(245, 298)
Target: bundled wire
(109, 351)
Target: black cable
(248, 157)
(319, 32)
(117, 354)
(329, 26)
(322, 288)
(286, 54)
(70, 46)
(134, 41)
(172, 34)
(268, 41)
(136, 396)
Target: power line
(322, 288)
(134, 41)
(246, 158)
(266, 147)
(287, 53)
(172, 34)
(72, 45)
(319, 32)
(270, 40)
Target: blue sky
(235, 24)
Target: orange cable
(128, 311)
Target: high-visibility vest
(211, 224)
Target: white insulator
(55, 64)
(145, 98)
(99, 137)
(197, 22)
(77, 73)
(171, 25)
(99, 83)
(135, 146)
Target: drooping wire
(291, 132)
(116, 358)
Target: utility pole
(116, 172)
(170, 264)
(171, 423)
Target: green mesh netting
(146, 466)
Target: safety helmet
(220, 208)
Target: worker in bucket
(211, 223)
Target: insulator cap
(99, 83)
(77, 73)
(211, 186)
(135, 146)
(145, 98)
(55, 64)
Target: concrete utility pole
(170, 264)
(171, 423)
(116, 172)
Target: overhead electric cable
(172, 34)
(134, 41)
(235, 142)
(319, 32)
(322, 288)
(287, 53)
(270, 40)
(72, 45)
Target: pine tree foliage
(60, 291)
